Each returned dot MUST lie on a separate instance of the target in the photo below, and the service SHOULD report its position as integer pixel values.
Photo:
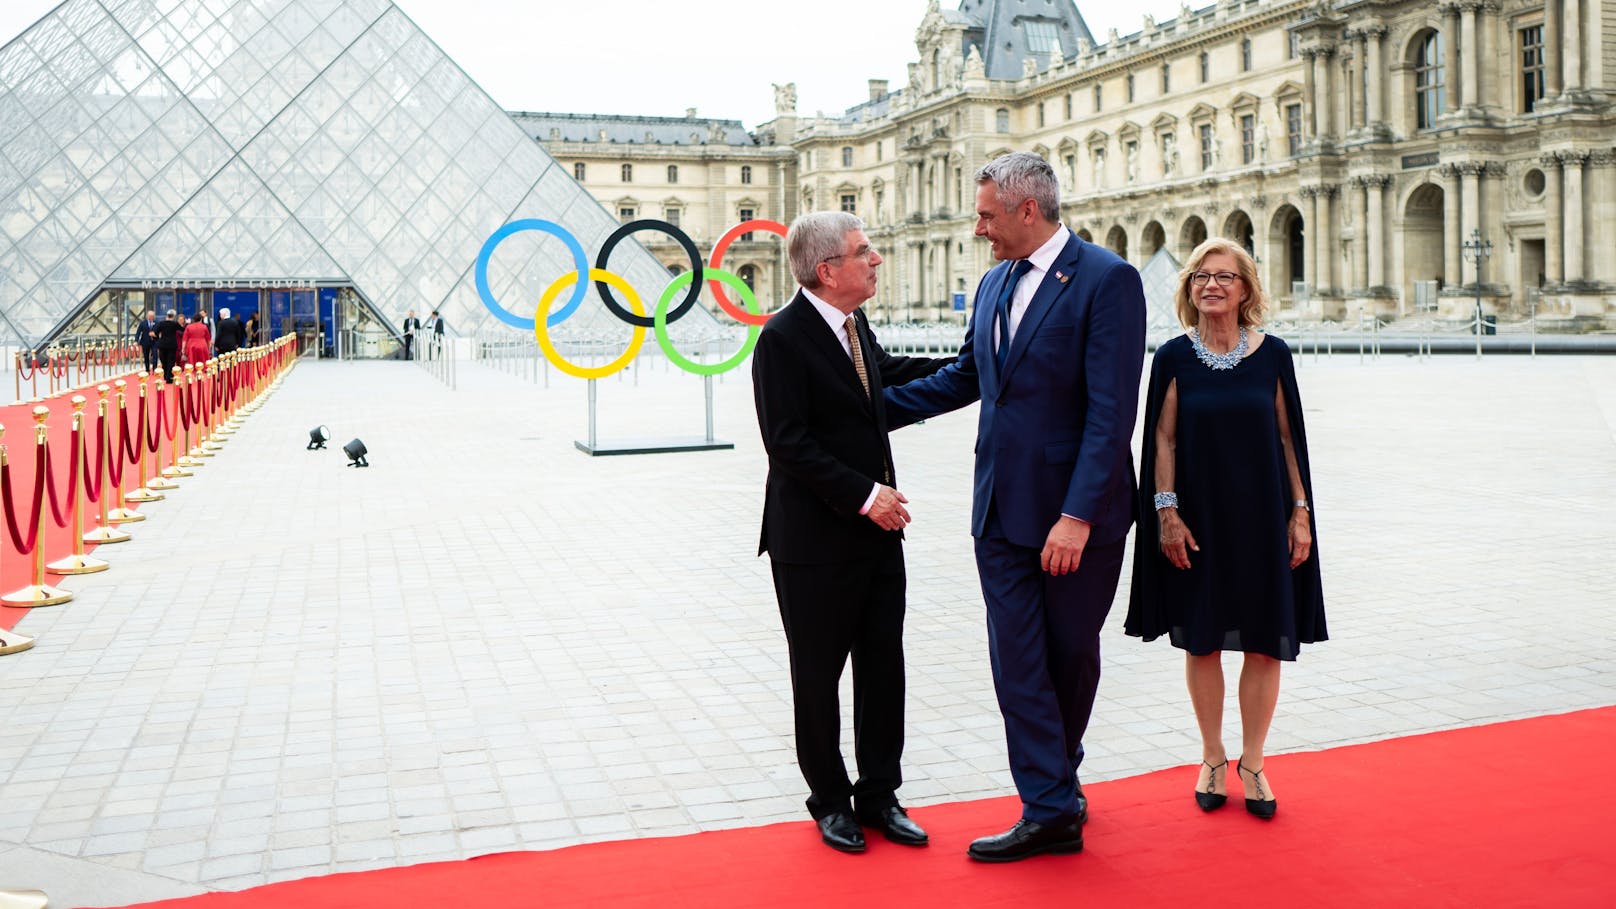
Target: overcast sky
(657, 57)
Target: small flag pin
(1060, 277)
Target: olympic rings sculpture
(663, 314)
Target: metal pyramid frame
(198, 140)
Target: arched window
(1001, 120)
(628, 173)
(1428, 81)
(749, 277)
(578, 171)
(746, 173)
(673, 173)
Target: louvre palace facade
(1354, 147)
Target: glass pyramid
(260, 139)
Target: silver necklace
(1218, 360)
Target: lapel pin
(1061, 277)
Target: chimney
(878, 89)
(690, 113)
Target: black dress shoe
(1082, 806)
(1026, 839)
(841, 832)
(895, 825)
(1209, 800)
(1259, 806)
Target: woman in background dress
(197, 342)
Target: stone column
(1602, 213)
(1324, 250)
(1469, 201)
(1312, 229)
(1572, 162)
(1571, 23)
(1374, 76)
(1470, 48)
(1328, 120)
(1454, 93)
(1375, 228)
(1360, 217)
(1553, 222)
(1552, 56)
(1451, 274)
(1310, 90)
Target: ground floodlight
(318, 436)
(355, 451)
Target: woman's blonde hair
(1251, 308)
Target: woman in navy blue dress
(1225, 558)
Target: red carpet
(1511, 814)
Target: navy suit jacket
(1053, 435)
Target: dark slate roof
(632, 130)
(1000, 33)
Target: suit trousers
(833, 611)
(1044, 645)
(148, 356)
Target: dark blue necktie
(1001, 313)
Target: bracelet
(1302, 504)
(1166, 500)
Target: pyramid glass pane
(151, 141)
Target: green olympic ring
(660, 322)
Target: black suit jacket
(168, 334)
(826, 441)
(143, 331)
(227, 335)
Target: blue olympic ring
(554, 230)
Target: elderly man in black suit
(833, 525)
(146, 337)
(228, 334)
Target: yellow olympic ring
(542, 331)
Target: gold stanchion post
(22, 899)
(78, 562)
(11, 641)
(139, 493)
(193, 453)
(160, 479)
(105, 532)
(212, 444)
(120, 511)
(38, 593)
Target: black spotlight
(318, 436)
(355, 451)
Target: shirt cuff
(1076, 518)
(869, 502)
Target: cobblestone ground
(488, 641)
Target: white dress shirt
(1042, 259)
(837, 320)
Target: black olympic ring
(678, 235)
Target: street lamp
(1477, 251)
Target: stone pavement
(488, 641)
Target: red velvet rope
(115, 463)
(131, 452)
(60, 513)
(25, 545)
(154, 432)
(92, 482)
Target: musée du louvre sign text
(229, 284)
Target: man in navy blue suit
(1054, 353)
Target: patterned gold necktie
(858, 354)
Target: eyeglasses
(1224, 278)
(863, 252)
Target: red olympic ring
(724, 303)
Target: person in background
(411, 326)
(1225, 558)
(250, 330)
(167, 334)
(197, 343)
(228, 334)
(146, 337)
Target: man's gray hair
(224, 313)
(172, 314)
(815, 237)
(1023, 175)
